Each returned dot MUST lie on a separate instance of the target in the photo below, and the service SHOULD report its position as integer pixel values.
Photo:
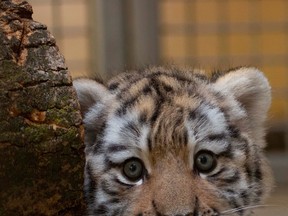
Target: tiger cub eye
(205, 161)
(133, 169)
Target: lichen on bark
(41, 159)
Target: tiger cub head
(169, 142)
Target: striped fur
(164, 116)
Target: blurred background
(100, 38)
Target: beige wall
(67, 20)
(221, 34)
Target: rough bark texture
(41, 147)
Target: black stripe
(117, 212)
(110, 164)
(215, 175)
(167, 88)
(192, 115)
(132, 127)
(113, 148)
(129, 79)
(97, 135)
(156, 208)
(245, 146)
(258, 196)
(233, 202)
(245, 197)
(202, 77)
(228, 153)
(217, 137)
(258, 173)
(233, 131)
(101, 210)
(156, 113)
(159, 100)
(90, 185)
(196, 113)
(196, 207)
(114, 200)
(247, 166)
(107, 189)
(202, 119)
(231, 192)
(258, 176)
(114, 85)
(225, 180)
(248, 170)
(149, 141)
(185, 136)
(143, 118)
(215, 212)
(219, 96)
(147, 90)
(225, 112)
(127, 104)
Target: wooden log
(41, 147)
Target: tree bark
(41, 159)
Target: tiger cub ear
(90, 93)
(252, 91)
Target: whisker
(231, 211)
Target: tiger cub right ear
(89, 93)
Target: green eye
(133, 169)
(205, 161)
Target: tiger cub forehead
(166, 111)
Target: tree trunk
(41, 146)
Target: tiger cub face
(167, 142)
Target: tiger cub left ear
(251, 89)
(90, 93)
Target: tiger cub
(169, 142)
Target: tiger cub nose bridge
(173, 193)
